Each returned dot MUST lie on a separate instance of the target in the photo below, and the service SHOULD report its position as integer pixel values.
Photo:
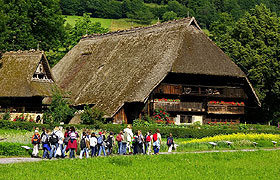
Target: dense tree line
(29, 24)
(205, 11)
(253, 42)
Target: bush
(92, 116)
(169, 15)
(29, 126)
(13, 149)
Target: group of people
(56, 143)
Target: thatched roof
(111, 69)
(16, 72)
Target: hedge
(165, 130)
(14, 149)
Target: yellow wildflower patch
(237, 137)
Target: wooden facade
(221, 100)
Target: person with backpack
(73, 142)
(65, 141)
(93, 144)
(54, 142)
(170, 142)
(45, 143)
(110, 141)
(101, 144)
(35, 141)
(148, 142)
(119, 139)
(156, 141)
(83, 145)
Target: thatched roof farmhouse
(25, 80)
(120, 72)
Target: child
(170, 142)
(35, 141)
(45, 143)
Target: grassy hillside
(111, 24)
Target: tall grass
(237, 165)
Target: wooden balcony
(225, 109)
(179, 106)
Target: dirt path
(26, 159)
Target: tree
(59, 110)
(92, 116)
(29, 22)
(169, 15)
(253, 42)
(83, 27)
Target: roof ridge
(137, 29)
(23, 52)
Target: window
(185, 119)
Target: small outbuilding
(25, 79)
(172, 66)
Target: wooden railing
(179, 106)
(225, 109)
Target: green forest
(246, 30)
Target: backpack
(36, 139)
(119, 138)
(83, 143)
(155, 137)
(44, 139)
(100, 140)
(125, 136)
(54, 138)
(66, 140)
(136, 139)
(73, 135)
(109, 141)
(169, 141)
(148, 138)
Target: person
(83, 145)
(45, 143)
(156, 141)
(54, 142)
(170, 142)
(128, 135)
(35, 141)
(101, 144)
(138, 142)
(65, 141)
(148, 142)
(73, 142)
(110, 142)
(60, 135)
(119, 139)
(93, 144)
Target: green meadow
(230, 165)
(111, 24)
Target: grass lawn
(111, 24)
(104, 22)
(237, 165)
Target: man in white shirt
(128, 135)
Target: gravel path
(26, 159)
(18, 159)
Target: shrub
(13, 149)
(169, 15)
(7, 116)
(92, 116)
(59, 110)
